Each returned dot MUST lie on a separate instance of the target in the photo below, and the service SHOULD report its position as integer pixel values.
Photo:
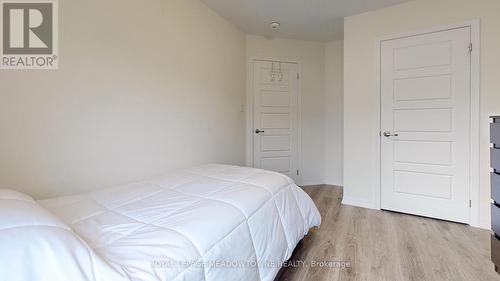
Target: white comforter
(212, 223)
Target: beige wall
(143, 87)
(311, 55)
(334, 92)
(360, 100)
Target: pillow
(37, 246)
(11, 194)
(18, 210)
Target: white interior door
(275, 99)
(425, 122)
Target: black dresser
(495, 191)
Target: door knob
(258, 131)
(389, 134)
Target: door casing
(249, 128)
(474, 195)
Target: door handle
(258, 131)
(389, 134)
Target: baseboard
(358, 203)
(482, 225)
(309, 183)
(317, 182)
(320, 184)
(334, 183)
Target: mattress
(213, 223)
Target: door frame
(474, 184)
(249, 126)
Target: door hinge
(298, 173)
(470, 47)
(470, 203)
(298, 76)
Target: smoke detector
(275, 25)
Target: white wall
(143, 87)
(360, 99)
(311, 55)
(334, 92)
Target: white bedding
(212, 223)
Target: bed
(213, 223)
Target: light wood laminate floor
(381, 245)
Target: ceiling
(315, 20)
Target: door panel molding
(474, 25)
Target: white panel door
(275, 99)
(425, 122)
